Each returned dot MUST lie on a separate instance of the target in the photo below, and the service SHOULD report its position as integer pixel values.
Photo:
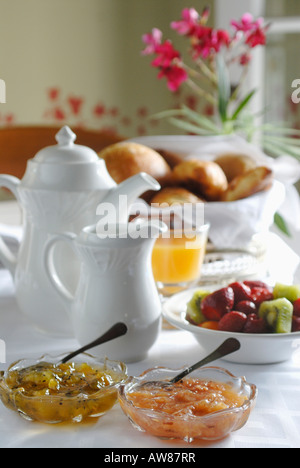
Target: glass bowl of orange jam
(46, 391)
(207, 405)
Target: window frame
(225, 11)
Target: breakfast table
(274, 422)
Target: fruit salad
(247, 307)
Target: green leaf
(200, 119)
(243, 104)
(199, 124)
(271, 149)
(289, 141)
(280, 148)
(190, 128)
(281, 224)
(224, 88)
(275, 128)
(166, 113)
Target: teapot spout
(127, 192)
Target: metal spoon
(227, 347)
(115, 331)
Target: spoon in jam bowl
(119, 329)
(227, 347)
(230, 345)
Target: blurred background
(79, 61)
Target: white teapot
(115, 284)
(62, 187)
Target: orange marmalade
(191, 396)
(191, 409)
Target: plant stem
(201, 92)
(243, 77)
(197, 74)
(207, 71)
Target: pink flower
(207, 41)
(175, 76)
(220, 38)
(204, 42)
(247, 23)
(245, 58)
(257, 37)
(165, 55)
(167, 59)
(190, 19)
(255, 33)
(152, 40)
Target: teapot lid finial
(66, 151)
(65, 136)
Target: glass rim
(203, 228)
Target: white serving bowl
(263, 348)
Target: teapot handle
(50, 269)
(6, 256)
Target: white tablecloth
(274, 423)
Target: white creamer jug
(115, 284)
(62, 187)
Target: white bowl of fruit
(265, 319)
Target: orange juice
(178, 260)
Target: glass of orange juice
(177, 258)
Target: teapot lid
(67, 166)
(66, 151)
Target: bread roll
(234, 165)
(170, 195)
(245, 185)
(205, 178)
(171, 158)
(126, 159)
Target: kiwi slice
(290, 292)
(193, 308)
(277, 314)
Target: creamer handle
(8, 259)
(50, 269)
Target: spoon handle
(227, 347)
(115, 331)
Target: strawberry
(218, 303)
(247, 307)
(260, 295)
(260, 291)
(242, 292)
(234, 321)
(297, 308)
(295, 323)
(254, 324)
(257, 284)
